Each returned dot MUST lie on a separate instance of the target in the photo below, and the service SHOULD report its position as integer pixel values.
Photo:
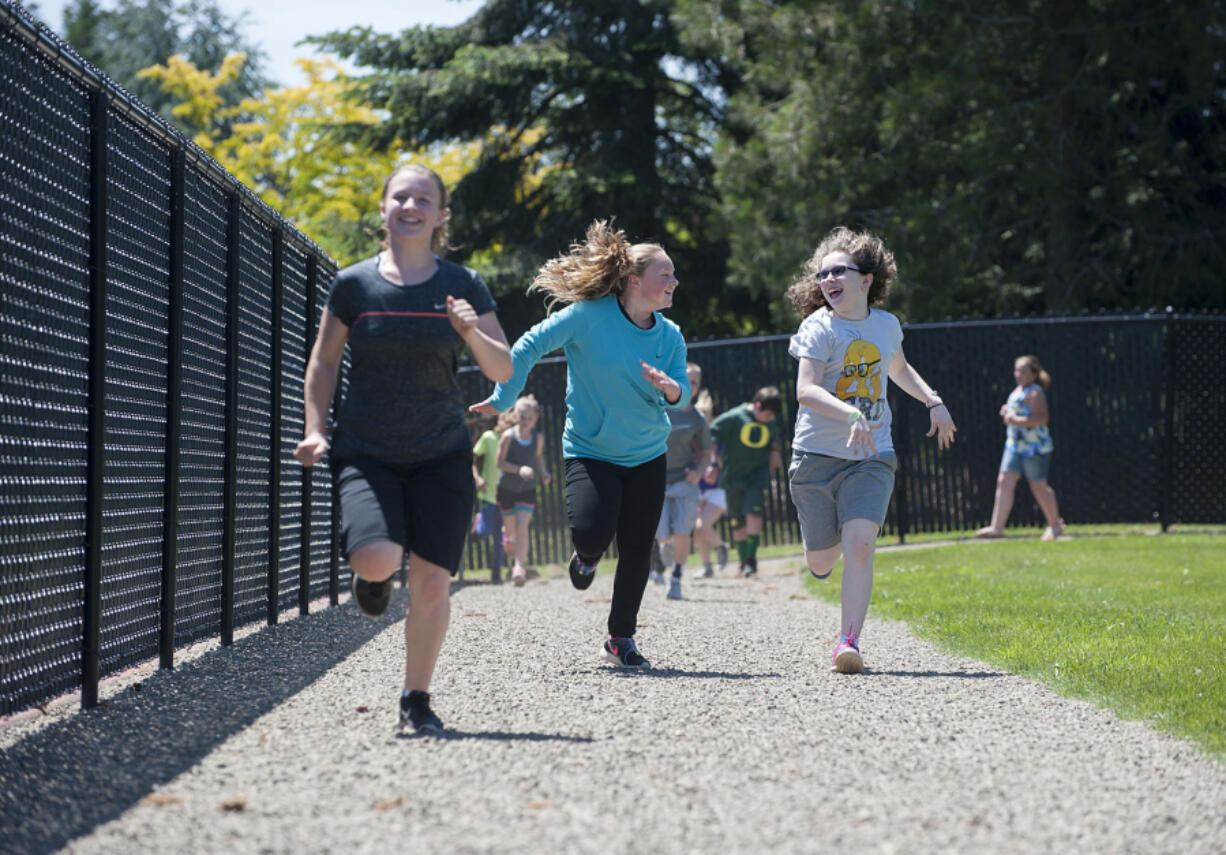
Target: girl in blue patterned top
(1028, 449)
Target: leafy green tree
(585, 110)
(140, 33)
(1020, 155)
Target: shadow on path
(969, 675)
(677, 672)
(497, 736)
(70, 777)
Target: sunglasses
(836, 271)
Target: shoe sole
(353, 590)
(424, 730)
(609, 657)
(848, 662)
(579, 581)
(518, 581)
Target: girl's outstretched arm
(909, 380)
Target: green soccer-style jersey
(746, 445)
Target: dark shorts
(425, 507)
(744, 498)
(512, 500)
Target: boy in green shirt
(748, 448)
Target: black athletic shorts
(425, 507)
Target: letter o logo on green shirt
(755, 435)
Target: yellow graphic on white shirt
(862, 383)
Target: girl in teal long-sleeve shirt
(625, 365)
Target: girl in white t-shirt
(843, 462)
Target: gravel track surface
(739, 740)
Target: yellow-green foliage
(286, 148)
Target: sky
(275, 25)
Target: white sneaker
(657, 577)
(705, 572)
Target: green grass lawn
(1136, 623)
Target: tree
(586, 110)
(141, 33)
(1019, 155)
(283, 146)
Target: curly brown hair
(599, 266)
(866, 249)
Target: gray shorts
(680, 510)
(829, 491)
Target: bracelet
(939, 403)
(852, 418)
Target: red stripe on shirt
(400, 315)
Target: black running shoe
(415, 713)
(624, 652)
(581, 575)
(372, 597)
(749, 567)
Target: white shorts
(716, 496)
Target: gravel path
(739, 740)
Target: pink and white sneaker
(846, 658)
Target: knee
(376, 561)
(431, 588)
(859, 544)
(822, 562)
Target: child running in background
(843, 462)
(521, 462)
(712, 504)
(625, 364)
(488, 522)
(688, 455)
(747, 451)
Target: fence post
(903, 432)
(174, 414)
(306, 508)
(229, 511)
(91, 633)
(1167, 445)
(334, 553)
(274, 445)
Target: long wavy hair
(601, 265)
(869, 253)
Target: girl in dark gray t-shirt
(400, 453)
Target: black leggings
(603, 500)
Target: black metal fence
(155, 319)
